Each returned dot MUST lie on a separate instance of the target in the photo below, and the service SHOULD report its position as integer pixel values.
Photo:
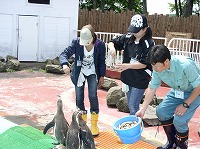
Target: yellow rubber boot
(84, 117)
(94, 121)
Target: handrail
(186, 47)
(181, 46)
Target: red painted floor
(33, 95)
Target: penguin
(85, 134)
(79, 135)
(73, 140)
(59, 123)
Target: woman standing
(89, 64)
(135, 69)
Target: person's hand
(140, 113)
(66, 69)
(122, 67)
(101, 82)
(180, 110)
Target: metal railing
(106, 37)
(177, 46)
(186, 47)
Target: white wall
(6, 34)
(58, 23)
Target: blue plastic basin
(130, 135)
(130, 140)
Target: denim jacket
(78, 50)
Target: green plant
(42, 70)
(30, 70)
(10, 70)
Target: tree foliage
(181, 7)
(185, 7)
(115, 5)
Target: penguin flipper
(48, 126)
(87, 139)
(83, 135)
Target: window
(39, 1)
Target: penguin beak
(80, 112)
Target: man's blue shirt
(183, 74)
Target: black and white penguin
(79, 135)
(73, 140)
(86, 134)
(59, 123)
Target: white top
(88, 62)
(87, 66)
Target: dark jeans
(92, 93)
(134, 96)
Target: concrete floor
(30, 98)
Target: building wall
(57, 25)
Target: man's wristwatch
(185, 105)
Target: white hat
(85, 37)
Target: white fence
(177, 46)
(187, 47)
(106, 37)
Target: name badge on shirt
(179, 94)
(79, 63)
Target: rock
(12, 64)
(48, 62)
(53, 66)
(55, 61)
(2, 59)
(9, 57)
(152, 121)
(122, 105)
(54, 69)
(150, 117)
(156, 100)
(2, 67)
(114, 95)
(108, 83)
